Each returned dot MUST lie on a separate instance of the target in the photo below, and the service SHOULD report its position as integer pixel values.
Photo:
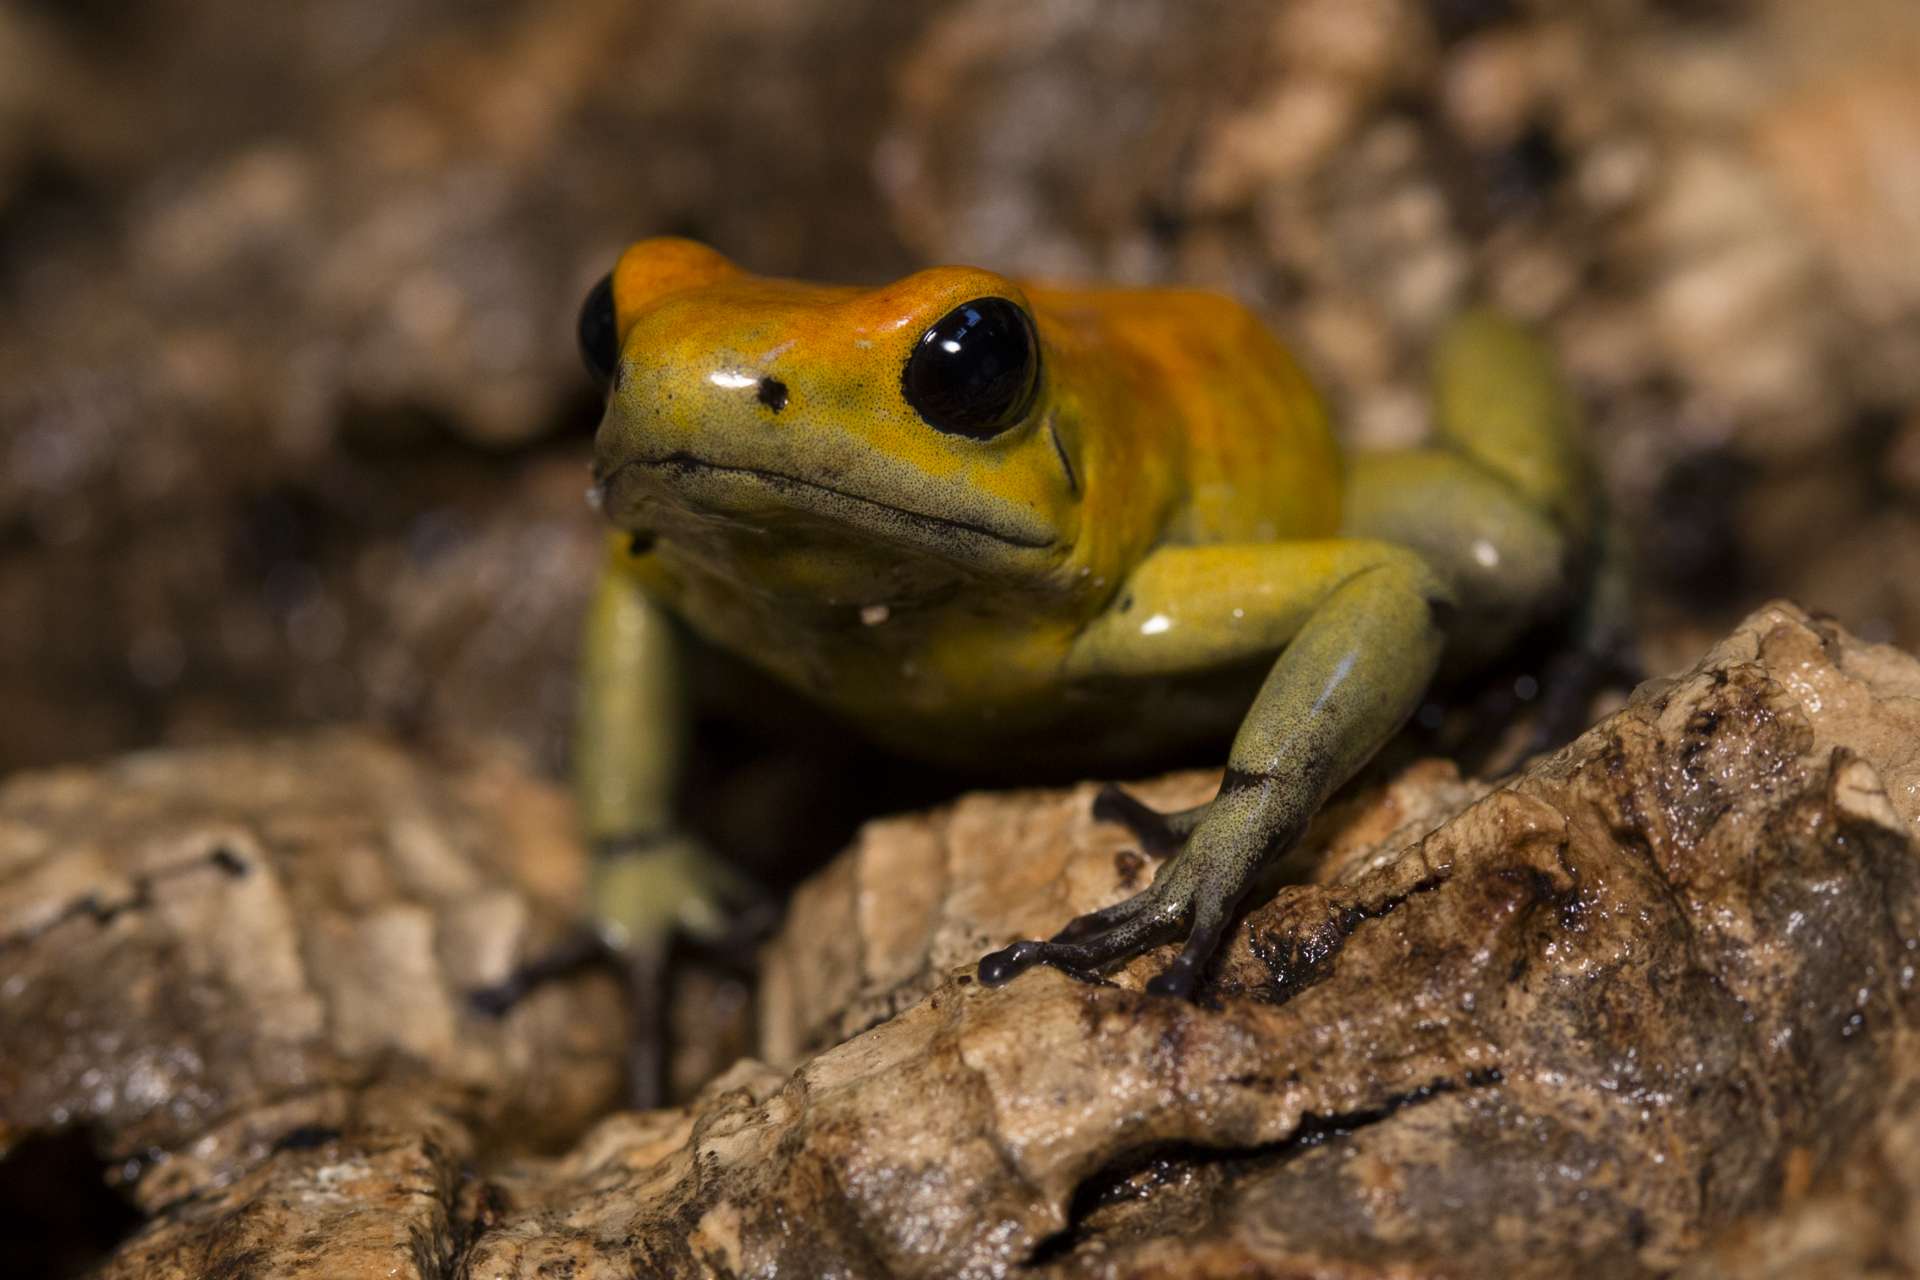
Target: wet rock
(1850, 1223)
(923, 894)
(209, 957)
(1610, 1017)
(1598, 1017)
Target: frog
(988, 519)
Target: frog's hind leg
(1500, 403)
(1501, 503)
(1158, 833)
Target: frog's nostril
(773, 394)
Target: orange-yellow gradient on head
(746, 406)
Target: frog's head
(906, 423)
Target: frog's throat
(685, 464)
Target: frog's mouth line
(686, 463)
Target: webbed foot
(659, 901)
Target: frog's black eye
(599, 333)
(974, 373)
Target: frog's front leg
(1358, 625)
(648, 879)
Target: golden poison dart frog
(984, 519)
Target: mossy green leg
(1358, 624)
(649, 877)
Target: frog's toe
(1092, 923)
(1090, 943)
(1178, 979)
(1158, 833)
(577, 951)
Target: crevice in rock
(1298, 960)
(220, 858)
(58, 1214)
(1138, 1174)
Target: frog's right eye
(600, 333)
(975, 371)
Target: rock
(301, 342)
(1857, 1222)
(1602, 1015)
(210, 957)
(373, 1208)
(1608, 1017)
(921, 895)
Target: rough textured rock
(919, 895)
(208, 957)
(1856, 1222)
(1648, 1004)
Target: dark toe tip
(1176, 981)
(1112, 805)
(493, 1002)
(1009, 962)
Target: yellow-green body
(1166, 546)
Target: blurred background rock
(292, 429)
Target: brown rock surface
(1646, 1005)
(208, 956)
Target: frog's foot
(647, 892)
(1158, 833)
(1101, 939)
(653, 897)
(579, 950)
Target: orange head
(909, 419)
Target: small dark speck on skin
(773, 394)
(1066, 463)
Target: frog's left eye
(600, 333)
(975, 371)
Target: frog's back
(1195, 382)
